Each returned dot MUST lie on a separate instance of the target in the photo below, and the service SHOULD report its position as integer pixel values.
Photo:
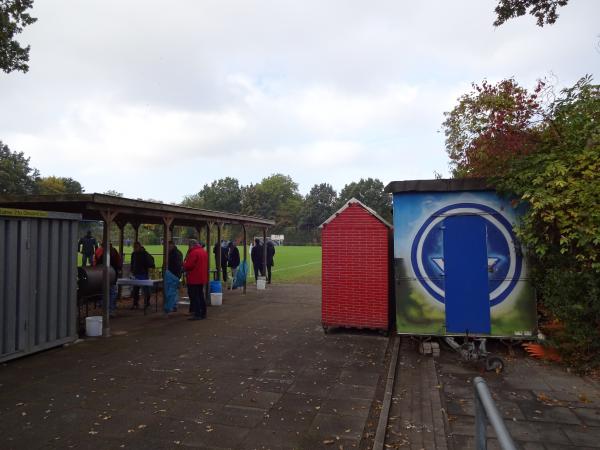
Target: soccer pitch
(293, 264)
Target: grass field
(292, 264)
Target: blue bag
(240, 276)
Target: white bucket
(216, 299)
(93, 326)
(261, 283)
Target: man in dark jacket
(172, 276)
(221, 248)
(87, 246)
(257, 258)
(270, 256)
(233, 261)
(141, 263)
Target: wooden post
(167, 222)
(136, 230)
(121, 224)
(108, 217)
(265, 252)
(218, 261)
(245, 255)
(208, 249)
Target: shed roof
(91, 207)
(356, 201)
(439, 185)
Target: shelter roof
(92, 206)
(354, 201)
(439, 185)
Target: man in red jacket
(196, 268)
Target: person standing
(196, 268)
(116, 263)
(172, 277)
(233, 261)
(270, 255)
(141, 263)
(87, 246)
(257, 259)
(224, 261)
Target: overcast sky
(154, 99)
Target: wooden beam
(108, 217)
(167, 222)
(218, 254)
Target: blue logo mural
(504, 262)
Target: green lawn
(292, 264)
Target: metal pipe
(486, 408)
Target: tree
(319, 205)
(13, 17)
(16, 177)
(490, 126)
(560, 186)
(275, 197)
(221, 195)
(57, 185)
(543, 10)
(371, 193)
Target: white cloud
(322, 91)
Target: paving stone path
(416, 419)
(545, 408)
(259, 373)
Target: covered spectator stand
(121, 211)
(356, 269)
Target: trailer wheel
(494, 364)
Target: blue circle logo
(504, 261)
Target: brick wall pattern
(355, 276)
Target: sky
(154, 99)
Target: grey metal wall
(38, 283)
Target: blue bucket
(215, 286)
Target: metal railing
(486, 411)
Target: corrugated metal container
(38, 281)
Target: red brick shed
(356, 268)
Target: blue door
(466, 285)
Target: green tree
(16, 177)
(371, 193)
(547, 159)
(221, 195)
(492, 125)
(543, 10)
(319, 204)
(13, 17)
(275, 197)
(560, 185)
(57, 185)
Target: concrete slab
(259, 373)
